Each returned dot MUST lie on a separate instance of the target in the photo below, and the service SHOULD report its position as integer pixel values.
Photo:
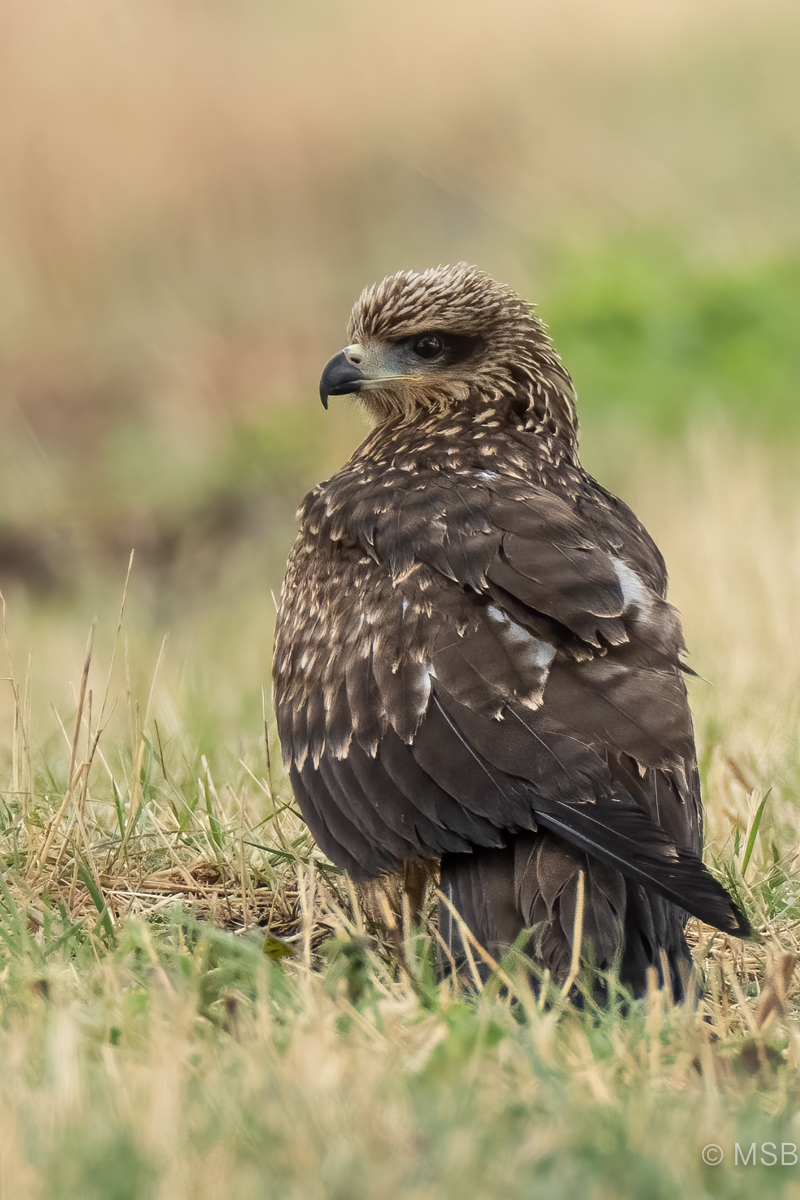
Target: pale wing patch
(532, 650)
(634, 590)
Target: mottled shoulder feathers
(475, 661)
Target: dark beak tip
(340, 378)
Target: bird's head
(449, 338)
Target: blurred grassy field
(191, 197)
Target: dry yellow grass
(141, 1076)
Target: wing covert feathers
(475, 662)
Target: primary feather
(475, 660)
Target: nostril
(355, 359)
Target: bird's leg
(416, 876)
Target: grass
(194, 1003)
(181, 1060)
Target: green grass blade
(86, 877)
(754, 828)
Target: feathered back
(475, 659)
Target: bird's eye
(428, 346)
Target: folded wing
(501, 666)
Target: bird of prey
(475, 661)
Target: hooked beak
(341, 377)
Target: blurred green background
(193, 195)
